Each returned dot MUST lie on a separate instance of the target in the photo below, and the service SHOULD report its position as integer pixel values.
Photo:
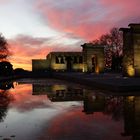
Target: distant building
(131, 50)
(91, 59)
(40, 65)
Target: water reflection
(30, 97)
(59, 93)
(93, 103)
(119, 107)
(6, 85)
(132, 116)
(5, 99)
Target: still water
(38, 109)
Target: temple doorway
(69, 63)
(94, 63)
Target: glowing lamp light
(131, 98)
(84, 68)
(131, 70)
(97, 70)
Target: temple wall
(131, 50)
(128, 51)
(40, 65)
(137, 53)
(98, 54)
(55, 66)
(63, 66)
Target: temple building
(65, 61)
(90, 59)
(93, 58)
(131, 50)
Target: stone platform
(106, 81)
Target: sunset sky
(33, 28)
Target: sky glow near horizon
(33, 28)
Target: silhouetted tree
(113, 42)
(106, 41)
(6, 68)
(114, 107)
(4, 52)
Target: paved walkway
(107, 81)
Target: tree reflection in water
(114, 107)
(109, 105)
(118, 107)
(5, 99)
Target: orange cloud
(25, 48)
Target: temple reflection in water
(59, 93)
(132, 117)
(126, 108)
(119, 107)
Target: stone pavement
(106, 81)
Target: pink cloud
(88, 19)
(125, 13)
(22, 94)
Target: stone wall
(64, 61)
(136, 53)
(131, 50)
(128, 57)
(40, 65)
(93, 57)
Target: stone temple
(90, 59)
(131, 50)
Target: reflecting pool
(39, 109)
